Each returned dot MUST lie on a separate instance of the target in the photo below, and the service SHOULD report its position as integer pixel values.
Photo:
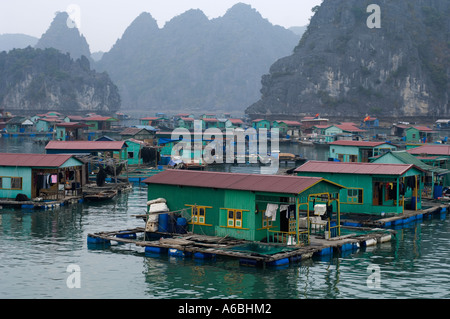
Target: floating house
(234, 123)
(141, 134)
(140, 152)
(99, 123)
(437, 155)
(19, 124)
(243, 206)
(46, 124)
(434, 176)
(261, 123)
(371, 188)
(70, 131)
(208, 122)
(287, 127)
(335, 132)
(358, 151)
(309, 121)
(152, 121)
(116, 149)
(370, 122)
(186, 122)
(442, 124)
(39, 175)
(419, 134)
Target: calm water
(36, 247)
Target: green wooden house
(70, 131)
(244, 206)
(261, 123)
(358, 151)
(371, 188)
(208, 122)
(234, 123)
(39, 175)
(186, 122)
(99, 123)
(111, 149)
(19, 124)
(419, 134)
(434, 176)
(154, 121)
(139, 133)
(437, 155)
(287, 127)
(46, 124)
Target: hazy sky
(102, 22)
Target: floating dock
(44, 204)
(257, 254)
(431, 207)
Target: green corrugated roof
(407, 158)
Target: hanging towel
(285, 208)
(54, 179)
(271, 211)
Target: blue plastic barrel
(181, 227)
(163, 223)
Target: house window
(16, 182)
(11, 183)
(130, 154)
(355, 195)
(267, 221)
(340, 157)
(234, 218)
(353, 158)
(198, 214)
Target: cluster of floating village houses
(369, 184)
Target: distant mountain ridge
(194, 63)
(16, 41)
(35, 80)
(341, 67)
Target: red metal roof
(86, 145)
(209, 120)
(288, 122)
(249, 182)
(431, 150)
(33, 160)
(349, 128)
(422, 128)
(99, 118)
(357, 143)
(354, 168)
(236, 121)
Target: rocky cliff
(35, 80)
(64, 36)
(194, 63)
(347, 64)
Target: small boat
(100, 196)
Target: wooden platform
(30, 204)
(248, 253)
(365, 220)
